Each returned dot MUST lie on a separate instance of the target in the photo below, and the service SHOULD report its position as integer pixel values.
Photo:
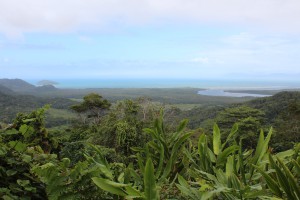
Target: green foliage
(25, 144)
(92, 107)
(221, 170)
(281, 178)
(249, 120)
(11, 104)
(234, 176)
(158, 163)
(63, 182)
(147, 163)
(121, 128)
(287, 127)
(149, 181)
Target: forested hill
(5, 90)
(276, 104)
(12, 103)
(17, 85)
(23, 87)
(274, 108)
(281, 111)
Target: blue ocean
(171, 83)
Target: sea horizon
(172, 83)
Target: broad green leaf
(30, 189)
(182, 125)
(216, 139)
(11, 132)
(224, 155)
(207, 176)
(133, 193)
(180, 128)
(137, 149)
(229, 166)
(102, 160)
(3, 151)
(241, 162)
(11, 172)
(182, 181)
(291, 178)
(297, 167)
(235, 182)
(221, 176)
(24, 128)
(18, 145)
(284, 154)
(210, 194)
(109, 186)
(174, 155)
(269, 198)
(102, 166)
(255, 194)
(26, 158)
(149, 182)
(140, 162)
(265, 144)
(29, 120)
(187, 190)
(261, 149)
(23, 182)
(282, 179)
(154, 145)
(121, 178)
(272, 184)
(231, 134)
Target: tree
(92, 107)
(250, 121)
(287, 127)
(122, 127)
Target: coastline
(223, 93)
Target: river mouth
(222, 93)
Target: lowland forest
(147, 143)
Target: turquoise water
(222, 93)
(159, 83)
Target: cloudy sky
(153, 39)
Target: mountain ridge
(23, 87)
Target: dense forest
(147, 147)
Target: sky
(150, 39)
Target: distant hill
(45, 88)
(46, 82)
(5, 90)
(11, 104)
(23, 87)
(280, 111)
(276, 104)
(17, 85)
(273, 107)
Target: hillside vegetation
(125, 155)
(140, 149)
(12, 103)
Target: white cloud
(18, 17)
(249, 53)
